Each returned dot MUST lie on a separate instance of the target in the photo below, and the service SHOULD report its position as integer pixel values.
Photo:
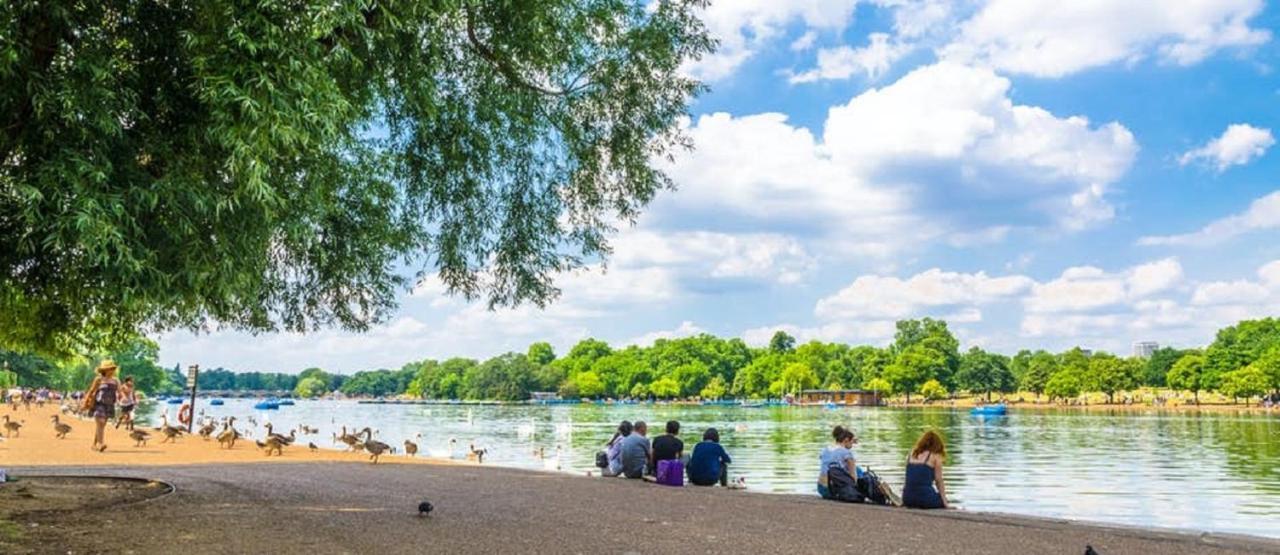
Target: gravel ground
(318, 508)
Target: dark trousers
(724, 478)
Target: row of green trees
(924, 359)
(137, 357)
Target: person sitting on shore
(924, 487)
(613, 449)
(667, 447)
(636, 452)
(839, 455)
(709, 463)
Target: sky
(1040, 174)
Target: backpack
(671, 472)
(602, 459)
(870, 486)
(842, 486)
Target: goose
(271, 444)
(312, 447)
(476, 454)
(170, 433)
(60, 430)
(139, 438)
(227, 438)
(349, 439)
(374, 447)
(11, 428)
(410, 448)
(207, 430)
(287, 440)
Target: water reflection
(1188, 471)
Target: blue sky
(1041, 174)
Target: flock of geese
(225, 432)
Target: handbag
(671, 472)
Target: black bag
(602, 459)
(842, 486)
(869, 487)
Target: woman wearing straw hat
(100, 400)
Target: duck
(139, 438)
(60, 430)
(374, 447)
(10, 427)
(476, 454)
(410, 448)
(312, 447)
(207, 430)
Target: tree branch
(504, 66)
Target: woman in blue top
(924, 473)
(840, 453)
(614, 449)
(709, 463)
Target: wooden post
(193, 372)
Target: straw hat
(107, 365)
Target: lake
(1200, 472)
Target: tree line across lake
(924, 360)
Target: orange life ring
(184, 414)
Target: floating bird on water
(424, 508)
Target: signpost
(193, 372)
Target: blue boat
(266, 405)
(175, 401)
(216, 402)
(285, 402)
(989, 410)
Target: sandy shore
(36, 445)
(362, 508)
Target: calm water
(1185, 471)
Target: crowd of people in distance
(630, 454)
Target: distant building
(851, 397)
(1144, 349)
(544, 396)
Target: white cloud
(805, 42)
(743, 27)
(843, 62)
(874, 332)
(1086, 288)
(1051, 38)
(891, 298)
(961, 119)
(1238, 145)
(762, 256)
(1263, 213)
(685, 329)
(1233, 292)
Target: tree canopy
(283, 165)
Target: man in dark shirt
(667, 446)
(709, 463)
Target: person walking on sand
(924, 487)
(128, 400)
(100, 400)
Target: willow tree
(295, 164)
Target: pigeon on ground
(424, 508)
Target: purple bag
(671, 472)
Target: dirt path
(361, 508)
